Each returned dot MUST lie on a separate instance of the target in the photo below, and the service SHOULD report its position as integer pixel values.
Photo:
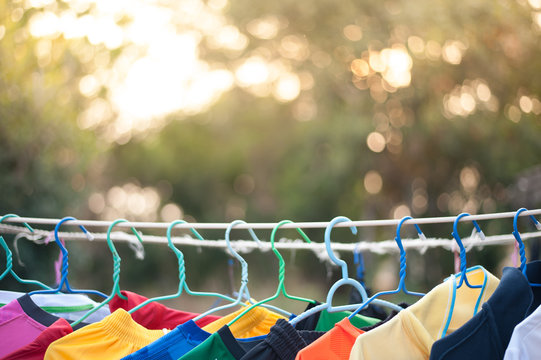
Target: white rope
(379, 247)
(304, 225)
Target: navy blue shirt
(487, 334)
(282, 343)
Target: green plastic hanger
(186, 288)
(181, 271)
(203, 293)
(116, 272)
(182, 274)
(9, 259)
(281, 274)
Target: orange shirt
(336, 344)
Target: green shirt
(212, 348)
(327, 320)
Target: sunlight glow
(373, 182)
(467, 98)
(287, 88)
(393, 64)
(252, 72)
(453, 52)
(264, 28)
(159, 70)
(375, 142)
(44, 24)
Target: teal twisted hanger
(9, 259)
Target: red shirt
(156, 316)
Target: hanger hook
(116, 257)
(14, 215)
(9, 254)
(330, 252)
(516, 234)
(180, 255)
(170, 228)
(462, 249)
(65, 263)
(281, 262)
(244, 277)
(398, 239)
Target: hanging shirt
(282, 342)
(212, 348)
(67, 306)
(36, 349)
(255, 322)
(391, 315)
(533, 273)
(524, 343)
(173, 345)
(155, 316)
(327, 320)
(22, 321)
(526, 337)
(411, 333)
(114, 337)
(311, 321)
(335, 344)
(488, 333)
(187, 336)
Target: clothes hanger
(116, 271)
(281, 274)
(463, 268)
(182, 272)
(214, 294)
(345, 280)
(522, 251)
(181, 268)
(402, 282)
(463, 271)
(64, 278)
(244, 274)
(9, 259)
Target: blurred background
(216, 110)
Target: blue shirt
(172, 345)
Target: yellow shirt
(114, 337)
(255, 322)
(411, 333)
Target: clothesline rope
(379, 247)
(304, 225)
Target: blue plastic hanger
(345, 280)
(402, 282)
(244, 272)
(463, 277)
(64, 279)
(9, 259)
(116, 272)
(463, 271)
(521, 249)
